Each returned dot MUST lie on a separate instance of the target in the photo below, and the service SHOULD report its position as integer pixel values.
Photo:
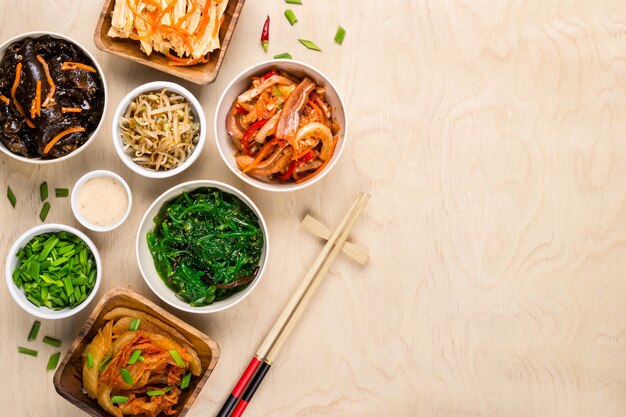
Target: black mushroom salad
(51, 97)
(206, 245)
(282, 128)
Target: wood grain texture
(490, 135)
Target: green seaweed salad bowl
(202, 246)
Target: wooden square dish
(68, 377)
(129, 49)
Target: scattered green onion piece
(134, 324)
(155, 393)
(89, 360)
(310, 44)
(126, 376)
(119, 399)
(184, 382)
(140, 358)
(168, 389)
(277, 92)
(293, 1)
(27, 351)
(44, 211)
(291, 16)
(61, 192)
(134, 356)
(34, 331)
(104, 363)
(284, 55)
(53, 361)
(43, 191)
(51, 341)
(11, 197)
(177, 357)
(341, 33)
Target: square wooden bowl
(68, 377)
(129, 49)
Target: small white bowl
(18, 294)
(196, 110)
(79, 216)
(40, 161)
(241, 83)
(146, 263)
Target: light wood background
(492, 137)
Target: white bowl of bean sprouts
(159, 129)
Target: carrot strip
(53, 87)
(6, 100)
(68, 65)
(321, 168)
(35, 107)
(217, 27)
(16, 83)
(262, 154)
(71, 110)
(58, 137)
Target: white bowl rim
(30, 308)
(94, 134)
(121, 108)
(284, 187)
(211, 308)
(96, 174)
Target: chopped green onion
(293, 1)
(341, 33)
(177, 357)
(310, 44)
(134, 325)
(284, 55)
(104, 363)
(134, 356)
(34, 331)
(11, 197)
(140, 358)
(44, 211)
(119, 399)
(27, 351)
(126, 376)
(43, 191)
(61, 192)
(51, 341)
(277, 92)
(53, 361)
(155, 392)
(89, 360)
(168, 389)
(291, 16)
(184, 382)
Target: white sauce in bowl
(102, 201)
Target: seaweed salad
(206, 245)
(51, 97)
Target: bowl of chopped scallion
(53, 271)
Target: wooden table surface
(491, 136)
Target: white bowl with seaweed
(202, 246)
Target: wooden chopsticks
(266, 354)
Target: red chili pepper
(245, 140)
(240, 109)
(265, 35)
(306, 158)
(268, 75)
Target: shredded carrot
(35, 107)
(71, 110)
(68, 65)
(321, 168)
(217, 27)
(262, 154)
(53, 88)
(16, 83)
(58, 137)
(6, 100)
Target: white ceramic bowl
(79, 216)
(196, 110)
(241, 83)
(18, 294)
(146, 263)
(93, 135)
